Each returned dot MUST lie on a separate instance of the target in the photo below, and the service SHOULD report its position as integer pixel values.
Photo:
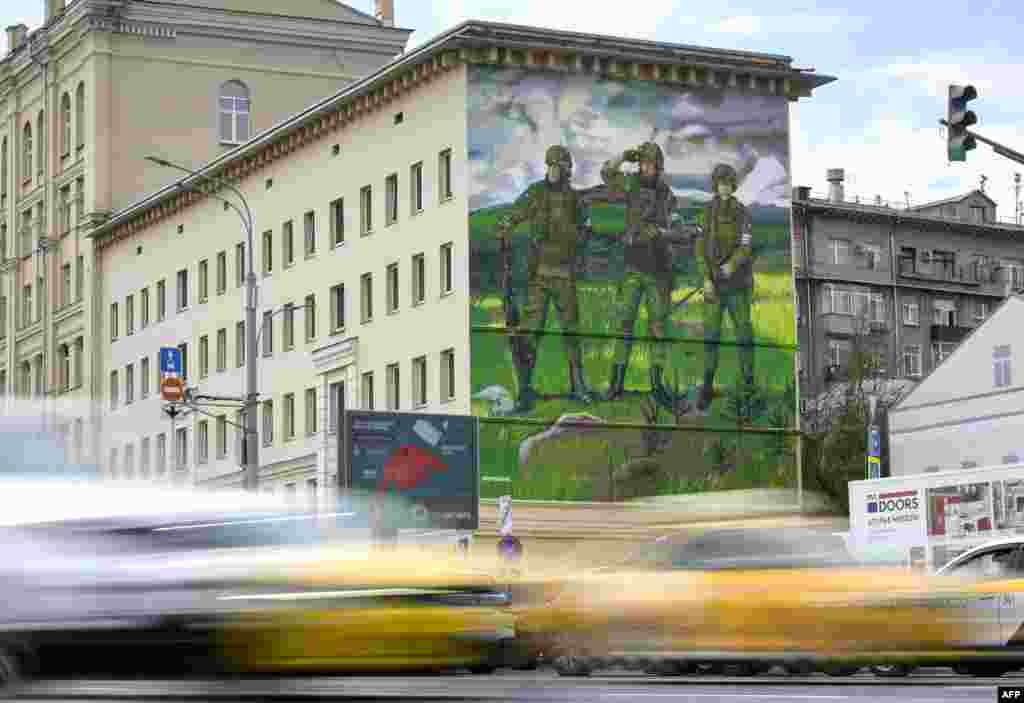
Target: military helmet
(649, 151)
(557, 155)
(723, 172)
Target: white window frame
(447, 390)
(391, 200)
(234, 114)
(338, 222)
(1001, 365)
(366, 210)
(447, 254)
(311, 412)
(416, 188)
(309, 233)
(392, 282)
(445, 191)
(393, 375)
(288, 419)
(913, 354)
(419, 279)
(203, 442)
(367, 391)
(420, 397)
(366, 298)
(182, 279)
(911, 313)
(839, 246)
(337, 308)
(267, 416)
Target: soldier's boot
(662, 395)
(578, 389)
(617, 384)
(707, 393)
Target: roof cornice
(474, 42)
(883, 214)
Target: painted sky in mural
(514, 115)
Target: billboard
(631, 286)
(426, 464)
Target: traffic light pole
(996, 146)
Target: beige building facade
(101, 85)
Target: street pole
(252, 461)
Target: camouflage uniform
(726, 257)
(648, 276)
(556, 216)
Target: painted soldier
(726, 258)
(648, 276)
(557, 220)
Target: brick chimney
(16, 36)
(54, 9)
(384, 11)
(835, 177)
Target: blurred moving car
(142, 580)
(749, 599)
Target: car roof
(993, 544)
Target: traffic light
(958, 119)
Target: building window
(222, 272)
(113, 390)
(65, 285)
(392, 283)
(940, 351)
(944, 313)
(416, 187)
(393, 386)
(268, 252)
(183, 350)
(419, 381)
(912, 360)
(80, 201)
(26, 309)
(268, 422)
(26, 233)
(40, 297)
(309, 227)
(368, 390)
(234, 113)
(65, 367)
(338, 308)
(239, 265)
(204, 356)
(268, 333)
(310, 318)
(204, 280)
(3, 175)
(129, 384)
(366, 210)
(222, 350)
(3, 318)
(241, 450)
(982, 310)
(144, 376)
(908, 261)
(144, 308)
(311, 491)
(181, 448)
(391, 199)
(311, 412)
(203, 442)
(129, 315)
(80, 116)
(129, 461)
(65, 210)
(289, 326)
(419, 279)
(448, 374)
(337, 221)
(335, 403)
(79, 359)
(1001, 365)
(222, 436)
(446, 269)
(840, 249)
(978, 214)
(114, 316)
(144, 458)
(444, 173)
(41, 146)
(289, 416)
(911, 314)
(366, 297)
(26, 153)
(240, 344)
(161, 454)
(65, 125)
(288, 243)
(161, 301)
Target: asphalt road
(925, 687)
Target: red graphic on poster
(938, 521)
(408, 467)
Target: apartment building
(905, 283)
(369, 209)
(98, 87)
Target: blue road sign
(874, 442)
(170, 361)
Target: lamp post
(874, 452)
(252, 464)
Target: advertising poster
(427, 462)
(960, 512)
(1009, 504)
(631, 286)
(893, 517)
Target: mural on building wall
(631, 286)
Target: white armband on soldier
(745, 238)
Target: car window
(988, 566)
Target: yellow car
(356, 610)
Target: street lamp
(252, 464)
(874, 458)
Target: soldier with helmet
(557, 220)
(648, 276)
(726, 258)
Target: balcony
(949, 333)
(839, 325)
(956, 275)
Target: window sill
(204, 300)
(446, 199)
(339, 245)
(417, 211)
(222, 291)
(419, 303)
(447, 294)
(311, 340)
(393, 311)
(367, 233)
(448, 401)
(420, 406)
(366, 321)
(337, 331)
(309, 256)
(390, 223)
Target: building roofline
(824, 205)
(955, 199)
(473, 34)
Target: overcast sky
(893, 61)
